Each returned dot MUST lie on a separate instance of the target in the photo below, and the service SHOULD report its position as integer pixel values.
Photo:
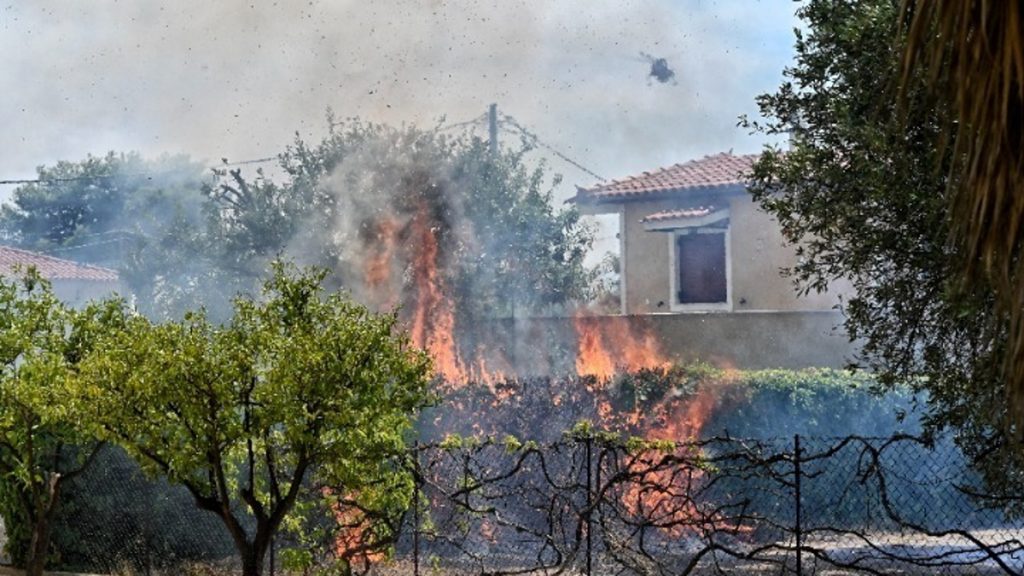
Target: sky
(238, 79)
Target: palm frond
(973, 52)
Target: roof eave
(589, 198)
(673, 224)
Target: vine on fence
(594, 503)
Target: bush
(753, 404)
(810, 402)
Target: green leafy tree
(42, 443)
(503, 246)
(179, 239)
(980, 68)
(143, 217)
(863, 191)
(96, 209)
(522, 253)
(298, 391)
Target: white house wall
(77, 293)
(757, 253)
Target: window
(700, 263)
(700, 267)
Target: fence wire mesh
(850, 505)
(595, 504)
(115, 520)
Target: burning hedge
(674, 402)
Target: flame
(613, 345)
(604, 346)
(639, 345)
(681, 421)
(592, 358)
(377, 267)
(351, 543)
(433, 321)
(664, 493)
(490, 367)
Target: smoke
(384, 183)
(236, 79)
(443, 228)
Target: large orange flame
(666, 494)
(610, 345)
(405, 263)
(433, 321)
(592, 358)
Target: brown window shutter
(701, 268)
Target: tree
(178, 238)
(93, 209)
(980, 69)
(864, 194)
(42, 443)
(444, 229)
(502, 245)
(298, 391)
(143, 217)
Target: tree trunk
(252, 558)
(38, 546)
(252, 552)
(42, 523)
(250, 565)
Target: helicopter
(660, 69)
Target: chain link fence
(115, 520)
(595, 504)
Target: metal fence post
(797, 504)
(590, 505)
(597, 488)
(417, 484)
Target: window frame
(676, 306)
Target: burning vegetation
(461, 240)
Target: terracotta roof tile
(678, 214)
(715, 171)
(53, 268)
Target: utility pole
(492, 124)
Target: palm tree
(973, 53)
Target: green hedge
(772, 403)
(811, 402)
(753, 404)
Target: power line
(243, 162)
(536, 140)
(54, 180)
(505, 118)
(77, 246)
(57, 180)
(479, 119)
(529, 134)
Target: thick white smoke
(236, 78)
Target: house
(698, 255)
(72, 282)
